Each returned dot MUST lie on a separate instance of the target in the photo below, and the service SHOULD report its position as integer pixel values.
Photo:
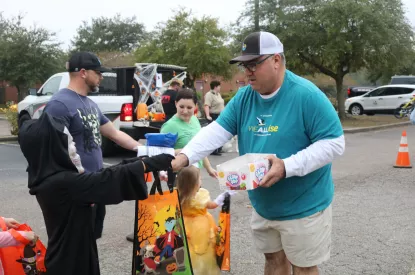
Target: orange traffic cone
(403, 161)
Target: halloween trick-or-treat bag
(223, 238)
(24, 259)
(160, 244)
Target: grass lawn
(368, 121)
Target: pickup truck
(356, 91)
(118, 97)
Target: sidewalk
(5, 130)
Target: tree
(27, 55)
(116, 59)
(145, 232)
(337, 37)
(198, 44)
(383, 74)
(109, 34)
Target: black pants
(98, 217)
(215, 117)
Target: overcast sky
(64, 17)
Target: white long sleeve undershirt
(300, 164)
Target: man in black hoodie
(65, 195)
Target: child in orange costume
(200, 226)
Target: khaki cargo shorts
(305, 241)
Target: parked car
(381, 100)
(403, 79)
(355, 91)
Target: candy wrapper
(244, 172)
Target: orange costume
(201, 233)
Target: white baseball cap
(257, 44)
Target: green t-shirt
(186, 131)
(299, 115)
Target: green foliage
(199, 95)
(105, 34)
(12, 116)
(27, 55)
(116, 59)
(228, 96)
(198, 44)
(337, 37)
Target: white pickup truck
(118, 96)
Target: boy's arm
(6, 239)
(117, 183)
(110, 185)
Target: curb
(8, 138)
(374, 128)
(346, 131)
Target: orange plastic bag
(223, 241)
(24, 259)
(160, 244)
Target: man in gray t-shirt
(84, 119)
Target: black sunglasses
(252, 65)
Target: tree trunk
(256, 15)
(340, 97)
(19, 94)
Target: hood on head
(45, 147)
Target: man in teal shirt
(283, 114)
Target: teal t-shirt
(186, 131)
(297, 116)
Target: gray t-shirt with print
(83, 119)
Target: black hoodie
(65, 196)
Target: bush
(199, 95)
(228, 96)
(12, 116)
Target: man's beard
(92, 88)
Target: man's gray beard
(93, 90)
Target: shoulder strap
(171, 180)
(156, 185)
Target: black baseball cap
(85, 60)
(257, 44)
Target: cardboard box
(244, 172)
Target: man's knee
(276, 258)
